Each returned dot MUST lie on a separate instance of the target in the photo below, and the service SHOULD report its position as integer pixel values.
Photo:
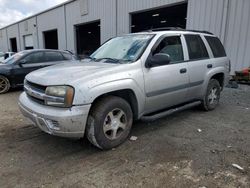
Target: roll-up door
(28, 42)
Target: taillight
(228, 66)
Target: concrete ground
(189, 149)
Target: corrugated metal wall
(28, 27)
(237, 38)
(206, 15)
(13, 32)
(229, 20)
(51, 20)
(3, 40)
(103, 10)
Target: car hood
(70, 73)
(4, 66)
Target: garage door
(28, 42)
(51, 39)
(170, 16)
(88, 38)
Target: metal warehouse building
(82, 25)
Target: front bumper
(62, 122)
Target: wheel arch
(220, 77)
(126, 94)
(217, 73)
(8, 77)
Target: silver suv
(143, 76)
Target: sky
(15, 10)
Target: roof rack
(206, 32)
(176, 29)
(164, 29)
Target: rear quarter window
(67, 56)
(216, 46)
(53, 56)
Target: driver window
(34, 58)
(171, 46)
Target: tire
(109, 123)
(4, 85)
(212, 97)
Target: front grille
(35, 91)
(36, 86)
(38, 94)
(40, 101)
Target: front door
(26, 65)
(167, 85)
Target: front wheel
(109, 122)
(212, 97)
(4, 85)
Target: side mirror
(22, 62)
(159, 59)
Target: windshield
(14, 58)
(125, 48)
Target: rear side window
(216, 46)
(196, 48)
(53, 56)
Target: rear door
(52, 58)
(218, 52)
(166, 85)
(198, 65)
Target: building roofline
(37, 14)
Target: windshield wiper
(109, 59)
(89, 57)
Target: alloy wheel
(4, 84)
(115, 124)
(213, 96)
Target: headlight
(61, 96)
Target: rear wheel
(109, 122)
(4, 84)
(212, 97)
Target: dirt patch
(188, 149)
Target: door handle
(184, 70)
(209, 66)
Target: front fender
(113, 86)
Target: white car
(5, 55)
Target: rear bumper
(62, 122)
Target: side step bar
(170, 111)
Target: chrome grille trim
(34, 93)
(38, 94)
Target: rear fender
(210, 74)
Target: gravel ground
(189, 149)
